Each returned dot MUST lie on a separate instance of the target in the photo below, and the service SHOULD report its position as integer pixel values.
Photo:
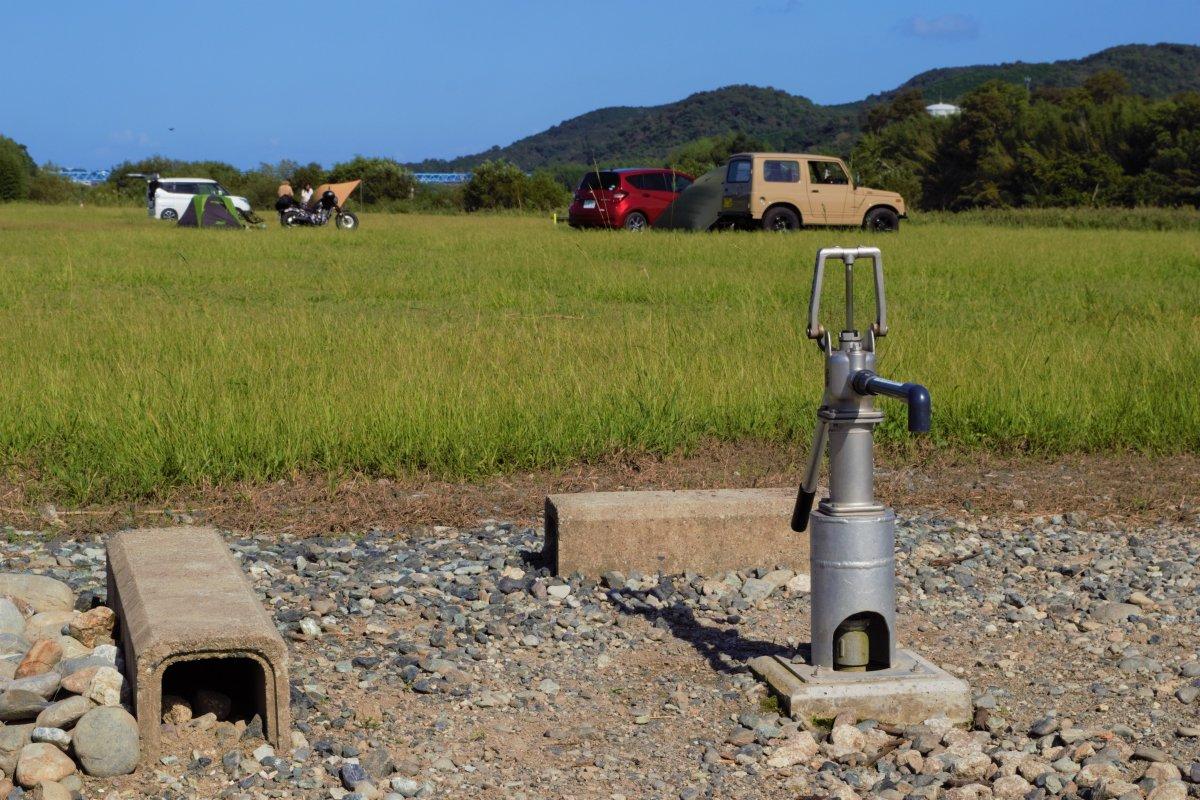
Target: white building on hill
(942, 110)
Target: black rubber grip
(804, 504)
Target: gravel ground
(448, 663)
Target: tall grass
(135, 355)
(1077, 218)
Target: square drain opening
(240, 679)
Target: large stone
(40, 592)
(706, 531)
(796, 750)
(42, 762)
(18, 706)
(44, 685)
(48, 624)
(50, 790)
(12, 644)
(65, 713)
(186, 608)
(77, 681)
(41, 658)
(93, 626)
(11, 619)
(106, 742)
(105, 687)
(13, 739)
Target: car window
(776, 171)
(656, 181)
(827, 172)
(205, 188)
(167, 187)
(639, 181)
(600, 180)
(738, 171)
(184, 188)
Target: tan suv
(782, 191)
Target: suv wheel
(168, 213)
(636, 221)
(883, 220)
(781, 219)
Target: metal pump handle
(847, 255)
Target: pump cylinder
(853, 575)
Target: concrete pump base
(910, 692)
(189, 620)
(706, 531)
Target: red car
(625, 198)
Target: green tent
(210, 211)
(697, 206)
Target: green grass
(1130, 219)
(137, 356)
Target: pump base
(910, 692)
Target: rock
(378, 764)
(559, 591)
(799, 584)
(1096, 772)
(44, 685)
(78, 680)
(1113, 612)
(1162, 771)
(12, 621)
(41, 658)
(1187, 694)
(176, 710)
(40, 592)
(1044, 726)
(210, 701)
(795, 750)
(94, 626)
(106, 742)
(13, 645)
(755, 590)
(65, 713)
(1011, 787)
(406, 787)
(55, 736)
(263, 752)
(352, 775)
(845, 739)
(18, 706)
(1144, 752)
(47, 624)
(13, 739)
(310, 627)
(105, 687)
(1171, 790)
(50, 790)
(42, 762)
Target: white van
(168, 197)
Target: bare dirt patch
(1128, 486)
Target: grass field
(136, 356)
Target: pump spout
(914, 394)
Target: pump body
(852, 535)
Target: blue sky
(90, 84)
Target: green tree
(496, 185)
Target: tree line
(1093, 145)
(387, 185)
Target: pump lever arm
(808, 485)
(914, 394)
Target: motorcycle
(293, 214)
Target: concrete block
(910, 692)
(189, 620)
(706, 531)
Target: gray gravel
(449, 663)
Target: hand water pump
(852, 536)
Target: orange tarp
(341, 190)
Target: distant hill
(645, 134)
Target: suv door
(830, 194)
(781, 181)
(735, 189)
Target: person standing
(285, 189)
(306, 194)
